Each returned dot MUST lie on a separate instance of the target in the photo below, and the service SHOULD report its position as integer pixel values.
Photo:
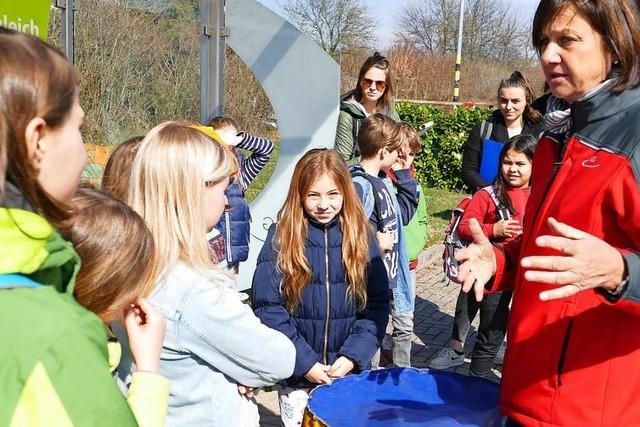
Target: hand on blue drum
(586, 262)
(341, 367)
(318, 374)
(478, 262)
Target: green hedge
(439, 162)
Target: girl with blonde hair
(213, 342)
(320, 279)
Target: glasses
(380, 84)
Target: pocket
(563, 352)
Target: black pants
(494, 312)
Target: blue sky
(386, 13)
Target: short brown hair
(409, 136)
(222, 122)
(617, 21)
(380, 62)
(117, 172)
(376, 132)
(117, 252)
(35, 81)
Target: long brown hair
(378, 61)
(518, 80)
(116, 249)
(35, 81)
(291, 233)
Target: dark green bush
(439, 162)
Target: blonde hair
(116, 249)
(173, 166)
(292, 227)
(117, 172)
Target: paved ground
(435, 307)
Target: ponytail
(517, 79)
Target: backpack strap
(492, 193)
(8, 281)
(376, 203)
(486, 129)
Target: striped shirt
(261, 151)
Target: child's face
(323, 201)
(388, 157)
(215, 202)
(516, 169)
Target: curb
(430, 255)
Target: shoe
(499, 360)
(446, 358)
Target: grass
(440, 203)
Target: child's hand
(341, 367)
(145, 328)
(405, 158)
(507, 228)
(318, 374)
(385, 242)
(246, 390)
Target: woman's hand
(341, 367)
(246, 391)
(385, 242)
(507, 228)
(587, 262)
(145, 328)
(318, 374)
(478, 262)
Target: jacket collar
(320, 226)
(602, 105)
(29, 245)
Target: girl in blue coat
(320, 279)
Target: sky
(386, 13)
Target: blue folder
(490, 159)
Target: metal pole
(67, 28)
(212, 45)
(456, 87)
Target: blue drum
(403, 397)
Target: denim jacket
(214, 342)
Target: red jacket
(484, 209)
(576, 361)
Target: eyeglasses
(380, 84)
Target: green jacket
(54, 368)
(351, 115)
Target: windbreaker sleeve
(217, 327)
(269, 306)
(407, 194)
(344, 142)
(148, 398)
(371, 322)
(624, 200)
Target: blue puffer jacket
(318, 337)
(235, 225)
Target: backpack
(452, 240)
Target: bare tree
(332, 22)
(491, 29)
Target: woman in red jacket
(573, 354)
(499, 208)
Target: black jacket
(472, 149)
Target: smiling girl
(320, 280)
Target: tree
(332, 22)
(491, 29)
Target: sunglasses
(380, 84)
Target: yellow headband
(208, 130)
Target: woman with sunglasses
(373, 94)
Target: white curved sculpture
(302, 83)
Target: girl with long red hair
(320, 279)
